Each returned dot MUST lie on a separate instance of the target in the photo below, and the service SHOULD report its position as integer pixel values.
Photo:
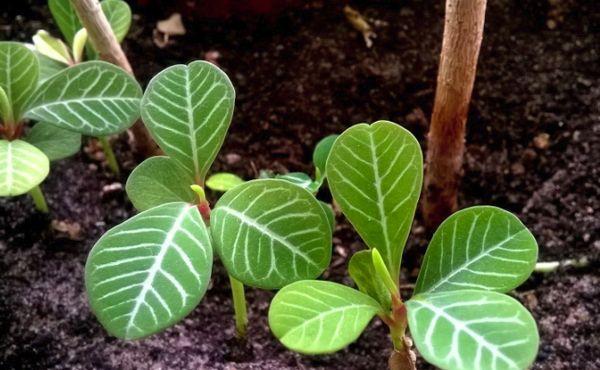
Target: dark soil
(300, 77)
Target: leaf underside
(159, 180)
(375, 174)
(472, 329)
(187, 110)
(19, 70)
(92, 98)
(316, 317)
(22, 167)
(149, 272)
(55, 142)
(269, 233)
(480, 247)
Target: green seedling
(149, 272)
(458, 316)
(93, 98)
(54, 55)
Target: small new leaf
(375, 174)
(92, 98)
(321, 153)
(188, 109)
(480, 247)
(22, 167)
(149, 272)
(159, 180)
(363, 273)
(472, 329)
(270, 233)
(316, 317)
(52, 47)
(223, 181)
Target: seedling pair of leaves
(149, 272)
(458, 317)
(91, 98)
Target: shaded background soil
(532, 147)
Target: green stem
(110, 155)
(38, 199)
(239, 307)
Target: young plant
(54, 55)
(149, 272)
(458, 317)
(94, 98)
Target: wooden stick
(105, 42)
(463, 32)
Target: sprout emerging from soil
(92, 98)
(152, 270)
(459, 316)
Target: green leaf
(363, 273)
(301, 179)
(159, 180)
(188, 110)
(472, 329)
(55, 142)
(48, 67)
(478, 248)
(65, 17)
(92, 98)
(375, 174)
(223, 181)
(118, 14)
(269, 233)
(52, 47)
(316, 317)
(329, 213)
(22, 167)
(149, 272)
(19, 75)
(321, 153)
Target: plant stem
(547, 267)
(38, 199)
(239, 307)
(109, 154)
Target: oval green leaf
(375, 173)
(321, 153)
(92, 98)
(159, 180)
(19, 77)
(316, 317)
(22, 167)
(270, 233)
(363, 273)
(188, 110)
(480, 247)
(149, 272)
(118, 14)
(223, 181)
(55, 142)
(471, 329)
(65, 17)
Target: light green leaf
(321, 153)
(22, 167)
(149, 272)
(363, 273)
(92, 98)
(329, 213)
(55, 142)
(188, 110)
(19, 75)
(48, 67)
(65, 17)
(79, 42)
(223, 181)
(159, 180)
(269, 233)
(478, 248)
(316, 317)
(375, 174)
(52, 47)
(301, 179)
(472, 329)
(118, 14)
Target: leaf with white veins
(22, 167)
(19, 70)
